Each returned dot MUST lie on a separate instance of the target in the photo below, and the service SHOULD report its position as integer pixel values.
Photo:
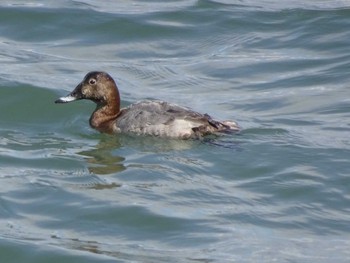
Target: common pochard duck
(156, 118)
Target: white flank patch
(181, 128)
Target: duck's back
(164, 119)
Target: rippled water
(278, 191)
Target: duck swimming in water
(156, 118)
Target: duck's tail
(215, 127)
(224, 126)
(232, 126)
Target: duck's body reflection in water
(104, 160)
(101, 159)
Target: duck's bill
(66, 99)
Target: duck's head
(96, 86)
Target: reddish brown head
(100, 88)
(96, 86)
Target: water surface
(278, 191)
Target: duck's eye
(92, 81)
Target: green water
(278, 191)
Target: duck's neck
(102, 119)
